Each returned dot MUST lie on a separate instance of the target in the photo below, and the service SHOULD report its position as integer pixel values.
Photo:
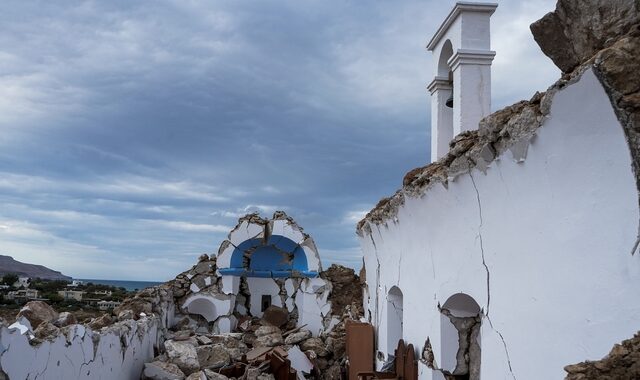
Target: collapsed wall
(226, 313)
(533, 217)
(42, 344)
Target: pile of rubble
(261, 308)
(273, 346)
(260, 349)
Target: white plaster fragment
(207, 281)
(284, 228)
(290, 302)
(230, 284)
(299, 361)
(311, 252)
(226, 324)
(194, 288)
(224, 256)
(209, 305)
(313, 285)
(22, 325)
(259, 287)
(246, 231)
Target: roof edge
(455, 12)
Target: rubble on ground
(206, 324)
(622, 363)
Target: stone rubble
(622, 363)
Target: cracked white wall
(119, 352)
(542, 245)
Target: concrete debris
(158, 370)
(65, 319)
(276, 316)
(184, 355)
(213, 356)
(297, 337)
(100, 322)
(37, 312)
(622, 363)
(207, 323)
(46, 331)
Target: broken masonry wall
(117, 351)
(262, 261)
(541, 240)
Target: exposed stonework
(577, 30)
(622, 363)
(508, 129)
(603, 35)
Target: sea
(129, 285)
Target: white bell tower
(461, 87)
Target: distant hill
(9, 265)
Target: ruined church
(514, 252)
(512, 255)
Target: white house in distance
(511, 254)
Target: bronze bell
(449, 102)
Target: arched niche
(394, 318)
(279, 257)
(446, 53)
(460, 322)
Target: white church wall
(118, 352)
(542, 245)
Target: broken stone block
(203, 340)
(213, 356)
(211, 375)
(46, 331)
(202, 267)
(102, 321)
(297, 337)
(316, 345)
(252, 373)
(37, 312)
(158, 370)
(65, 319)
(197, 376)
(269, 340)
(184, 355)
(126, 314)
(267, 330)
(276, 316)
(266, 376)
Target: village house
(71, 294)
(23, 295)
(106, 305)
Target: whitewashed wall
(553, 232)
(119, 352)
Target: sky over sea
(134, 134)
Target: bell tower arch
(461, 87)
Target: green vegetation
(9, 279)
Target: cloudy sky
(133, 134)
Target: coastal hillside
(9, 265)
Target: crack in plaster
(484, 263)
(504, 343)
(45, 367)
